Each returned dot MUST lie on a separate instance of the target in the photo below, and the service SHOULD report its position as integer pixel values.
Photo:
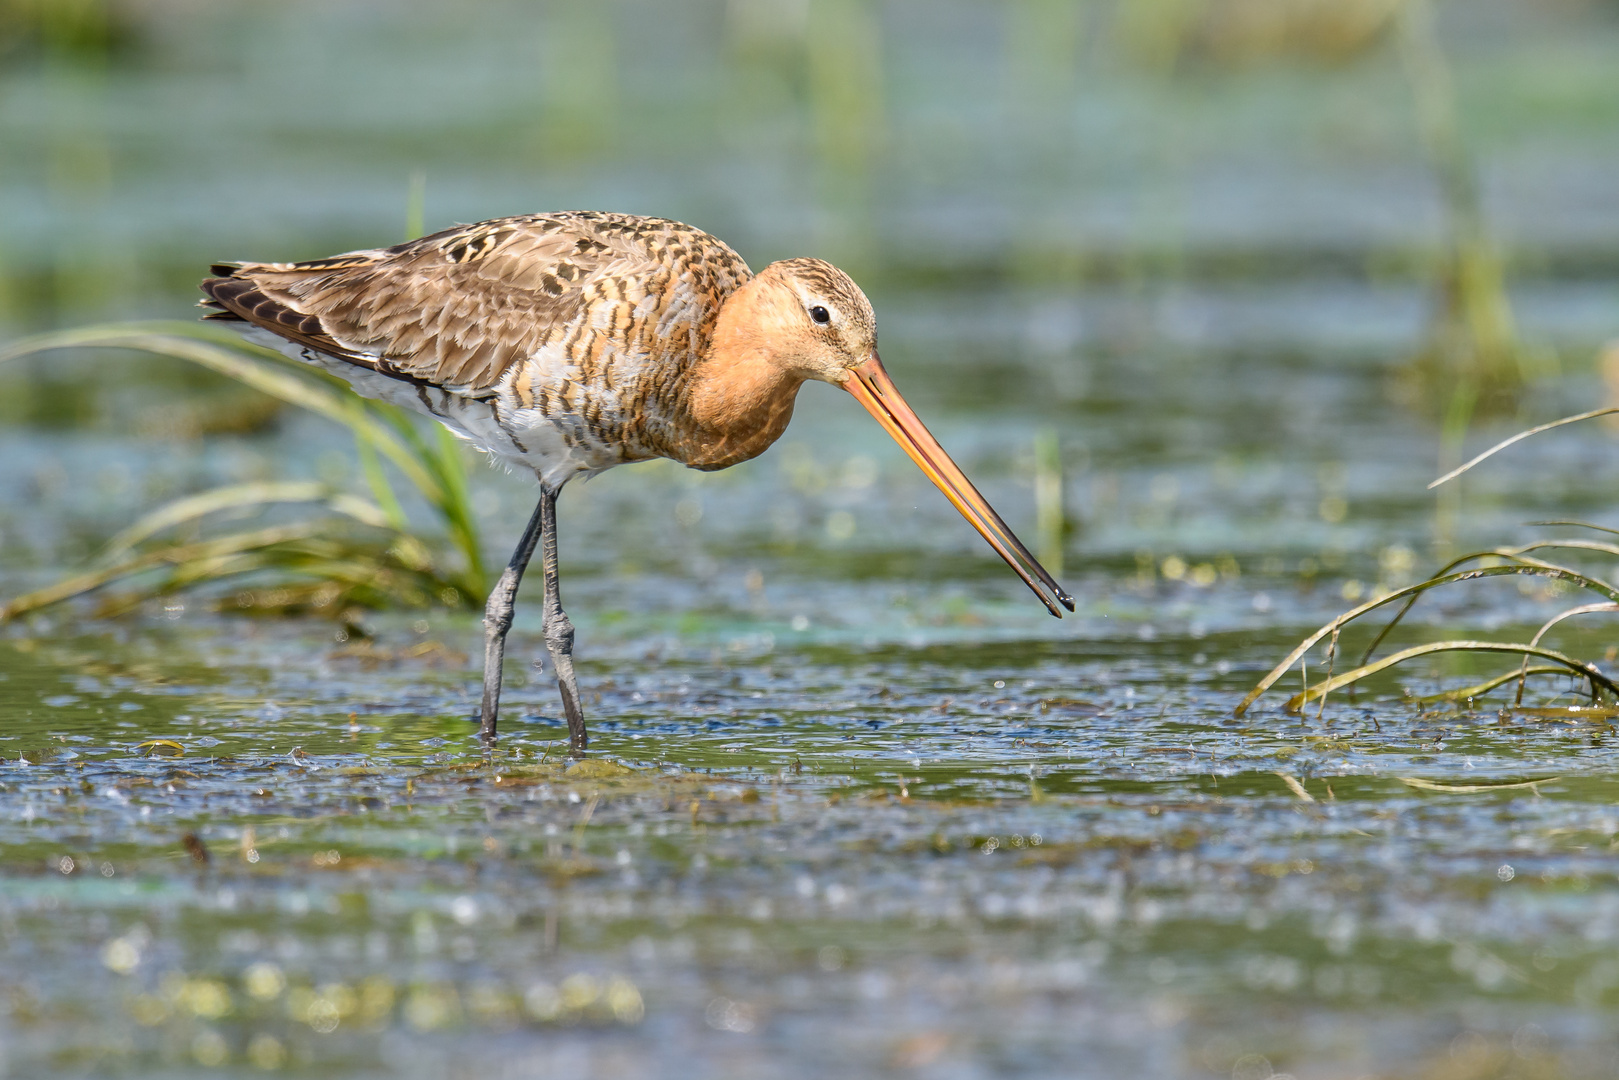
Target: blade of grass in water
(1472, 789)
(1478, 690)
(1584, 609)
(1579, 525)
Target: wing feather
(459, 308)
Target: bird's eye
(820, 314)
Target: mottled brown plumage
(569, 343)
(461, 307)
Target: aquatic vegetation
(354, 553)
(1519, 561)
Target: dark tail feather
(217, 288)
(240, 299)
(223, 273)
(219, 311)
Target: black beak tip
(1066, 600)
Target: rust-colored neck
(741, 394)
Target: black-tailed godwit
(568, 343)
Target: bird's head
(819, 324)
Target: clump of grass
(352, 553)
(1521, 561)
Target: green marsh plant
(351, 553)
(1535, 660)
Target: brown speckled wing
(456, 309)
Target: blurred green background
(1041, 146)
(1170, 232)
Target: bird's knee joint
(559, 635)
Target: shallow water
(963, 858)
(855, 805)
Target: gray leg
(497, 617)
(558, 630)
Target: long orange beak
(872, 387)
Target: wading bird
(565, 344)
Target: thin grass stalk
(1474, 336)
(1332, 657)
(231, 497)
(1580, 667)
(376, 478)
(1480, 689)
(359, 576)
(1475, 789)
(1504, 443)
(1579, 524)
(311, 555)
(463, 523)
(1452, 437)
(442, 458)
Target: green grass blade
(1599, 546)
(234, 496)
(1583, 609)
(366, 513)
(464, 533)
(1480, 689)
(383, 432)
(377, 479)
(443, 459)
(1473, 789)
(1504, 443)
(1579, 525)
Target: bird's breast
(612, 387)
